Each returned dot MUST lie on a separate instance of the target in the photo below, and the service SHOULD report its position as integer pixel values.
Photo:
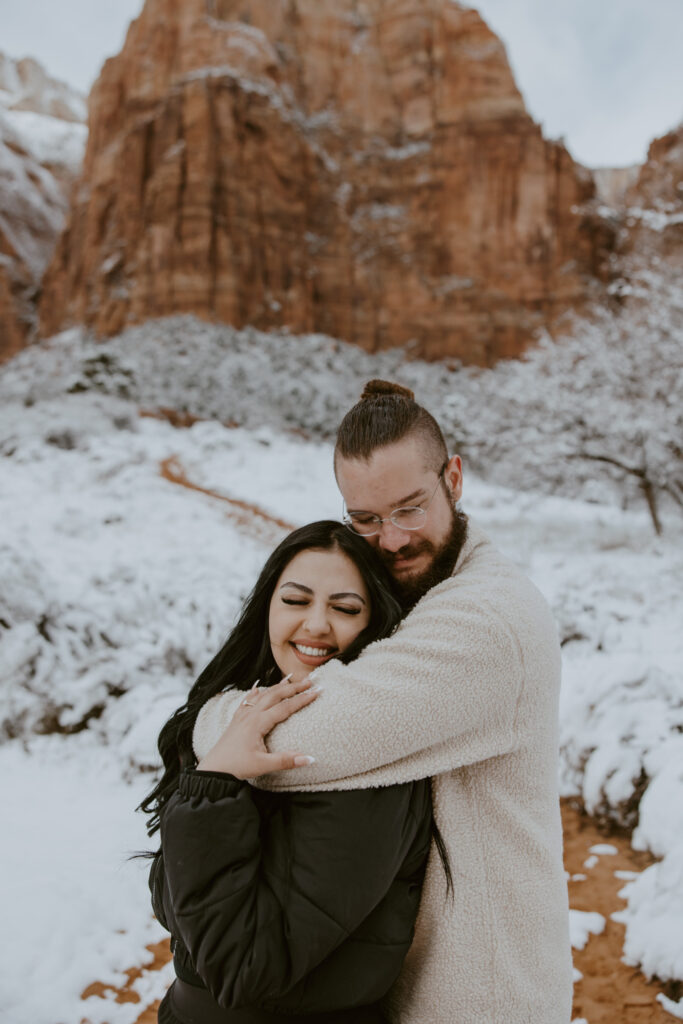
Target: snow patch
(72, 900)
(583, 924)
(653, 918)
(49, 140)
(675, 1009)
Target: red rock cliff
(364, 168)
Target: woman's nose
(317, 622)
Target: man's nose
(391, 537)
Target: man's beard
(410, 590)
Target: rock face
(660, 182)
(364, 168)
(42, 138)
(654, 204)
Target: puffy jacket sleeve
(259, 901)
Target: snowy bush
(593, 416)
(105, 605)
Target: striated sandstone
(364, 168)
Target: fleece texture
(466, 691)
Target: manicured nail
(303, 759)
(315, 689)
(285, 678)
(254, 686)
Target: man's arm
(452, 674)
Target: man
(465, 691)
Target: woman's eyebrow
(350, 593)
(332, 597)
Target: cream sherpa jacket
(465, 691)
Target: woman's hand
(241, 751)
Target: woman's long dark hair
(246, 655)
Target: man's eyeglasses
(411, 517)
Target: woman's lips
(311, 660)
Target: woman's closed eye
(346, 609)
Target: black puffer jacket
(295, 903)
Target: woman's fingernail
(303, 759)
(255, 684)
(315, 689)
(285, 678)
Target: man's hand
(241, 751)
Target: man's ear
(452, 475)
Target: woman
(293, 907)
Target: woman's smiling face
(319, 606)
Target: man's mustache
(408, 550)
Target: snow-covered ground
(73, 905)
(118, 584)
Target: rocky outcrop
(660, 182)
(364, 168)
(654, 205)
(41, 148)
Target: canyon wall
(364, 168)
(654, 206)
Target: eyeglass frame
(379, 520)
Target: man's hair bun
(377, 388)
(384, 414)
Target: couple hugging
(392, 853)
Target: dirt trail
(609, 992)
(248, 518)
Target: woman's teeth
(313, 652)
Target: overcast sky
(607, 75)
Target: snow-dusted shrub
(105, 607)
(596, 415)
(653, 918)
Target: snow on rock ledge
(42, 141)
